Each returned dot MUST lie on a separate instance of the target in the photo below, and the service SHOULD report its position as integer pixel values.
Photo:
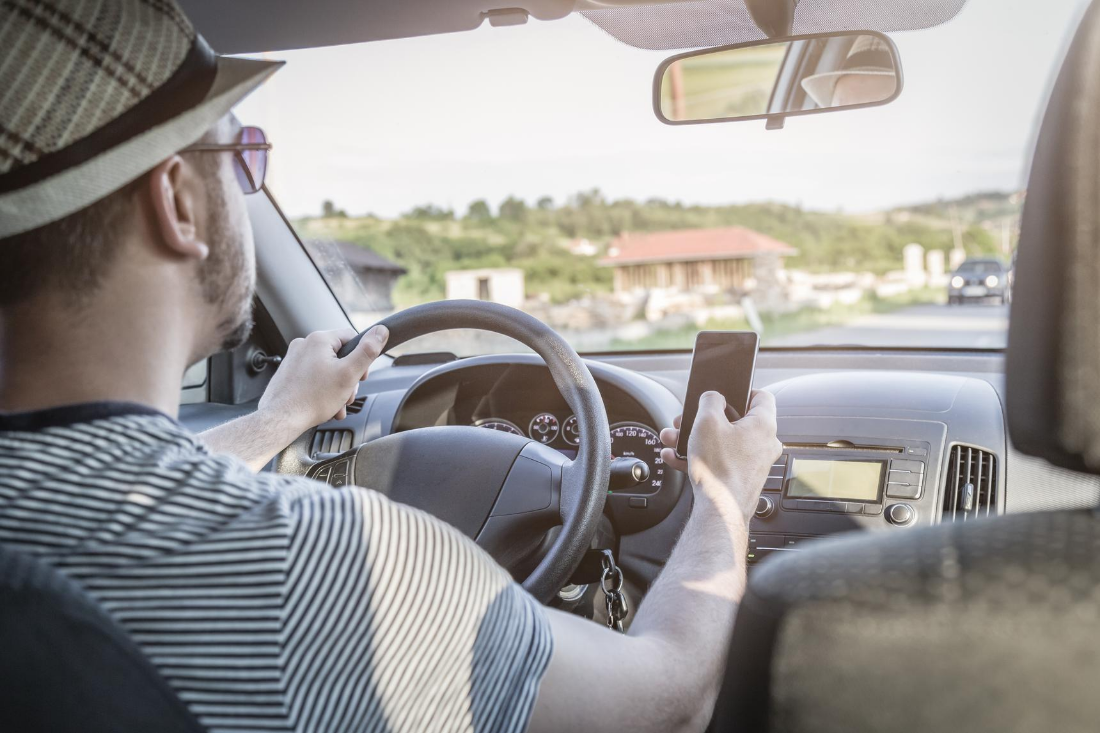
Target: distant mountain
(984, 209)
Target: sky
(552, 108)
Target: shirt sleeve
(393, 620)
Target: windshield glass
(524, 165)
(980, 268)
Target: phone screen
(723, 362)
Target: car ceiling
(253, 26)
(249, 26)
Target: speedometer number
(497, 423)
(634, 440)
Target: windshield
(980, 268)
(524, 165)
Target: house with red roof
(714, 260)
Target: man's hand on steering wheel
(313, 385)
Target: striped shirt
(269, 602)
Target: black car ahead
(979, 279)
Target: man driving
(271, 602)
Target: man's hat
(93, 93)
(869, 56)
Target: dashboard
(863, 433)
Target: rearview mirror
(800, 75)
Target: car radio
(828, 480)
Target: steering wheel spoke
(527, 507)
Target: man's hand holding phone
(728, 462)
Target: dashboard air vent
(971, 489)
(356, 407)
(331, 441)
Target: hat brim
(75, 188)
(820, 87)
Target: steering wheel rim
(584, 479)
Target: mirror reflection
(799, 76)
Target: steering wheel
(506, 492)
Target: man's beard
(227, 279)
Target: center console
(848, 474)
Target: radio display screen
(856, 480)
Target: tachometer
(499, 423)
(544, 428)
(635, 440)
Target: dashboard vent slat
(331, 442)
(357, 406)
(971, 490)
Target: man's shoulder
(141, 473)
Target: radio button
(901, 514)
(911, 466)
(774, 483)
(897, 490)
(853, 508)
(770, 542)
(825, 506)
(765, 507)
(905, 478)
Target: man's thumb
(712, 402)
(371, 345)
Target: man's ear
(177, 208)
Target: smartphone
(723, 362)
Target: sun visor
(704, 23)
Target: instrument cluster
(630, 439)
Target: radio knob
(900, 514)
(765, 507)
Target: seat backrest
(989, 626)
(984, 626)
(65, 665)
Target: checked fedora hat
(94, 93)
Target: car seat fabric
(65, 665)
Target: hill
(429, 241)
(977, 208)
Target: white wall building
(913, 257)
(502, 285)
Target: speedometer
(635, 440)
(499, 423)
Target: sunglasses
(249, 157)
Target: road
(958, 326)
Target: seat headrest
(1053, 361)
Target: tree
(545, 203)
(479, 211)
(430, 212)
(513, 209)
(328, 209)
